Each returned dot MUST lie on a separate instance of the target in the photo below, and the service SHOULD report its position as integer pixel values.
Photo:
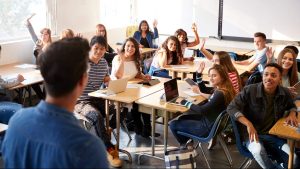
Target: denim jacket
(150, 37)
(251, 103)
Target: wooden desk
(289, 133)
(239, 51)
(153, 104)
(128, 96)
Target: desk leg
(118, 111)
(166, 120)
(183, 76)
(291, 143)
(107, 116)
(153, 114)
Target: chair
(146, 65)
(254, 78)
(130, 30)
(242, 149)
(216, 130)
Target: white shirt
(130, 69)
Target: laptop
(115, 86)
(171, 92)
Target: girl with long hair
(144, 36)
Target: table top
(283, 130)
(29, 71)
(226, 49)
(154, 101)
(132, 92)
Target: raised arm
(155, 33)
(31, 30)
(117, 71)
(197, 39)
(205, 52)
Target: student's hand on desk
(20, 78)
(201, 67)
(291, 119)
(147, 77)
(196, 89)
(293, 91)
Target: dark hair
(294, 48)
(0, 48)
(293, 71)
(63, 64)
(181, 32)
(260, 34)
(137, 54)
(98, 39)
(177, 55)
(140, 26)
(275, 65)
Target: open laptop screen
(171, 89)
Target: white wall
(79, 15)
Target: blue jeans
(153, 71)
(190, 123)
(269, 145)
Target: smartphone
(190, 81)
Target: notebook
(171, 92)
(115, 86)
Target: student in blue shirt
(144, 36)
(48, 135)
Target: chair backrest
(217, 127)
(254, 78)
(242, 149)
(147, 64)
(130, 30)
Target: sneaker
(212, 143)
(113, 158)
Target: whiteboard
(278, 19)
(174, 14)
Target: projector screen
(278, 19)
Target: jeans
(190, 123)
(269, 145)
(159, 72)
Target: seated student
(223, 58)
(290, 75)
(144, 36)
(257, 107)
(101, 31)
(200, 118)
(94, 108)
(183, 39)
(168, 54)
(49, 135)
(259, 59)
(127, 64)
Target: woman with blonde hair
(200, 118)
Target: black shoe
(147, 132)
(130, 126)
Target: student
(183, 39)
(49, 135)
(40, 46)
(259, 59)
(200, 118)
(168, 54)
(223, 58)
(101, 31)
(94, 108)
(67, 33)
(144, 36)
(127, 64)
(257, 108)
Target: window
(13, 14)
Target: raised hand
(78, 35)
(201, 67)
(32, 15)
(155, 23)
(270, 53)
(194, 27)
(121, 55)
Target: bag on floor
(180, 158)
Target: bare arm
(197, 39)
(118, 66)
(162, 59)
(250, 128)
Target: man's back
(47, 136)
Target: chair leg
(204, 155)
(247, 162)
(126, 129)
(225, 149)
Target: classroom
(149, 84)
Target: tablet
(190, 82)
